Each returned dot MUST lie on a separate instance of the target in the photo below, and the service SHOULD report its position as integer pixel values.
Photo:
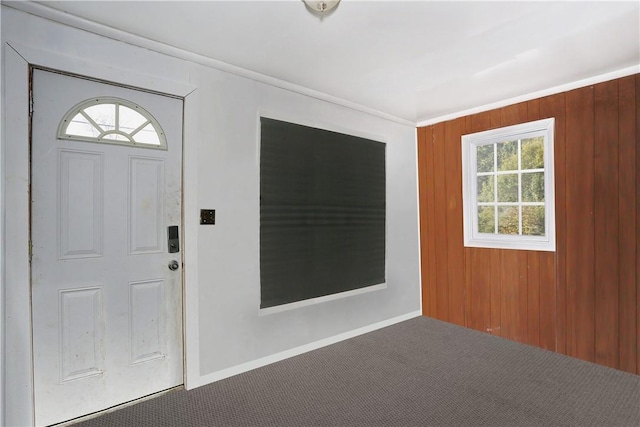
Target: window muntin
(508, 187)
(112, 121)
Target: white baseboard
(235, 370)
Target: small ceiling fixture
(320, 6)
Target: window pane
(507, 156)
(486, 219)
(485, 188)
(508, 220)
(110, 120)
(508, 188)
(103, 114)
(533, 153)
(147, 135)
(79, 126)
(533, 220)
(130, 119)
(533, 187)
(115, 137)
(484, 154)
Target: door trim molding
(104, 72)
(17, 369)
(17, 350)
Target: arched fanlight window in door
(112, 121)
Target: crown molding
(46, 12)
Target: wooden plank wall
(582, 300)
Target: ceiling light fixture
(321, 6)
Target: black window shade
(322, 212)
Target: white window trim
(472, 238)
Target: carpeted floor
(421, 372)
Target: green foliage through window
(510, 187)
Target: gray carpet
(421, 372)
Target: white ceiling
(414, 60)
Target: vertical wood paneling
(522, 288)
(533, 298)
(509, 300)
(584, 298)
(496, 291)
(494, 120)
(425, 232)
(481, 121)
(430, 208)
(627, 223)
(547, 302)
(606, 223)
(580, 224)
(555, 298)
(542, 283)
(533, 110)
(479, 290)
(453, 192)
(440, 232)
(469, 279)
(513, 114)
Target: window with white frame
(112, 121)
(507, 185)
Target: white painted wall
(225, 333)
(228, 252)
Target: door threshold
(117, 407)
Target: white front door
(107, 309)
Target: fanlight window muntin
(112, 121)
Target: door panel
(107, 311)
(81, 224)
(81, 319)
(146, 205)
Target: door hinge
(30, 250)
(31, 106)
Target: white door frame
(17, 406)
